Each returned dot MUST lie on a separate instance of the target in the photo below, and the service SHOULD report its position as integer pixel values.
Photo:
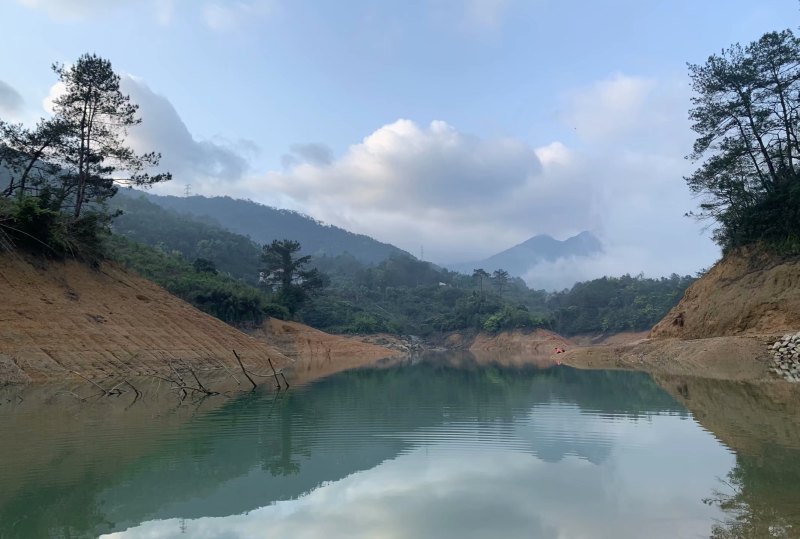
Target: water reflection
(760, 495)
(410, 451)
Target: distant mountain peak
(519, 259)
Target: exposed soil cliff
(57, 317)
(317, 354)
(749, 292)
(519, 347)
(723, 326)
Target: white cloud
(463, 197)
(611, 107)
(11, 101)
(554, 154)
(56, 91)
(631, 111)
(471, 15)
(486, 13)
(229, 15)
(165, 10)
(313, 153)
(190, 160)
(431, 185)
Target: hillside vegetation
(264, 224)
(147, 223)
(233, 301)
(218, 271)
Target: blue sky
(465, 126)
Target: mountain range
(262, 224)
(519, 259)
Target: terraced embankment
(722, 328)
(58, 317)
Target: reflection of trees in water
(276, 454)
(760, 496)
(304, 437)
(57, 511)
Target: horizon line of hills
(262, 224)
(183, 245)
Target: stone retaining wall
(786, 357)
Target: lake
(433, 449)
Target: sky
(450, 128)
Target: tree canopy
(746, 115)
(399, 295)
(96, 116)
(285, 273)
(72, 161)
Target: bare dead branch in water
(98, 386)
(115, 390)
(82, 399)
(279, 371)
(177, 374)
(245, 370)
(199, 383)
(275, 373)
(138, 394)
(136, 391)
(183, 388)
(181, 379)
(221, 364)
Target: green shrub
(513, 317)
(32, 224)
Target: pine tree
(93, 155)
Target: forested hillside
(264, 224)
(145, 222)
(405, 295)
(218, 271)
(233, 301)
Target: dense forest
(744, 112)
(263, 224)
(149, 224)
(58, 199)
(402, 294)
(200, 261)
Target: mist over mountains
(262, 224)
(520, 259)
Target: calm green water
(414, 451)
